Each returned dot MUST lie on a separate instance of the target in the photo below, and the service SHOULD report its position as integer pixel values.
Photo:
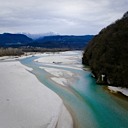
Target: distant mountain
(8, 39)
(36, 36)
(54, 41)
(59, 41)
(107, 54)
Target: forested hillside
(8, 39)
(61, 41)
(50, 42)
(107, 54)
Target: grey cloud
(69, 16)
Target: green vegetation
(107, 54)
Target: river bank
(25, 102)
(90, 105)
(121, 90)
(86, 101)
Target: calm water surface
(90, 105)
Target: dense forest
(107, 54)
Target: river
(90, 105)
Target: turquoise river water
(90, 104)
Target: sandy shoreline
(60, 76)
(25, 102)
(69, 59)
(124, 91)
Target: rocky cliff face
(107, 54)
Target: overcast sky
(73, 17)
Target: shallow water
(90, 105)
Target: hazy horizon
(46, 34)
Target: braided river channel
(90, 104)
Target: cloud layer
(60, 16)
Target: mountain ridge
(63, 41)
(8, 39)
(52, 41)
